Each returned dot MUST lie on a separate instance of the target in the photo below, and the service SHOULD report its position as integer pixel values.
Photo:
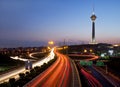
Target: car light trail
(57, 75)
(15, 73)
(91, 80)
(93, 58)
(17, 58)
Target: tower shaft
(93, 32)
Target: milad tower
(93, 18)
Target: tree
(12, 82)
(22, 75)
(27, 74)
(5, 84)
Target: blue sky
(44, 20)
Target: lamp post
(106, 69)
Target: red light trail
(57, 74)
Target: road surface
(115, 82)
(101, 79)
(57, 75)
(15, 73)
(92, 82)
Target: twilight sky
(28, 22)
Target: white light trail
(17, 58)
(15, 73)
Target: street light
(50, 43)
(65, 48)
(85, 51)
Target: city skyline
(42, 21)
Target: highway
(15, 73)
(105, 82)
(94, 78)
(92, 81)
(57, 75)
(112, 80)
(101, 79)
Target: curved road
(15, 73)
(99, 78)
(57, 75)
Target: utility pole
(106, 69)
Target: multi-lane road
(92, 82)
(100, 78)
(97, 76)
(57, 75)
(15, 73)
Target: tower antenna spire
(93, 9)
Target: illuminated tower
(93, 17)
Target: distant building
(89, 48)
